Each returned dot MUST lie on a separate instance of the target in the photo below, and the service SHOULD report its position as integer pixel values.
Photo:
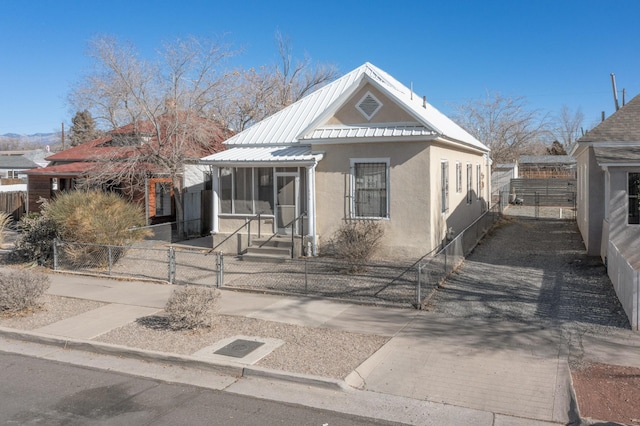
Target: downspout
(146, 199)
(311, 207)
(215, 188)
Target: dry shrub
(20, 291)
(356, 242)
(192, 307)
(5, 221)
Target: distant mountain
(39, 139)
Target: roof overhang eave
(466, 145)
(378, 139)
(238, 163)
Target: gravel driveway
(533, 271)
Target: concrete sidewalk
(481, 372)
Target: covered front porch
(260, 193)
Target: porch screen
(243, 197)
(370, 190)
(634, 199)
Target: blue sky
(550, 52)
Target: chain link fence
(398, 283)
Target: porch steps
(274, 249)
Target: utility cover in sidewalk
(239, 348)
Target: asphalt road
(36, 391)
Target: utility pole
(615, 91)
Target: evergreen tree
(83, 129)
(556, 149)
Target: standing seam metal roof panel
(285, 126)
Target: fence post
(172, 264)
(55, 254)
(110, 258)
(418, 288)
(306, 284)
(247, 224)
(445, 257)
(221, 270)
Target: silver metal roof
(618, 156)
(268, 155)
(303, 120)
(342, 132)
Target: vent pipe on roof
(602, 115)
(424, 102)
(615, 91)
(412, 90)
(624, 92)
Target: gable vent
(369, 105)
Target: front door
(287, 194)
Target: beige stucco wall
(460, 213)
(416, 224)
(389, 113)
(590, 200)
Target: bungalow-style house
(608, 159)
(12, 166)
(363, 147)
(69, 168)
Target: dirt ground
(608, 393)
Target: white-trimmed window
(458, 177)
(370, 188)
(634, 198)
(469, 183)
(444, 182)
(478, 181)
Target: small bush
(192, 307)
(5, 221)
(20, 291)
(97, 217)
(357, 242)
(35, 242)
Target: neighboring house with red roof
(122, 152)
(608, 200)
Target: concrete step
(276, 241)
(269, 250)
(261, 257)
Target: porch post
(311, 207)
(215, 189)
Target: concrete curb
(228, 369)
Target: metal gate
(545, 192)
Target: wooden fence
(13, 203)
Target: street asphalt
(433, 370)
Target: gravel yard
(530, 271)
(307, 350)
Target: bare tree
(256, 93)
(505, 124)
(567, 125)
(163, 105)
